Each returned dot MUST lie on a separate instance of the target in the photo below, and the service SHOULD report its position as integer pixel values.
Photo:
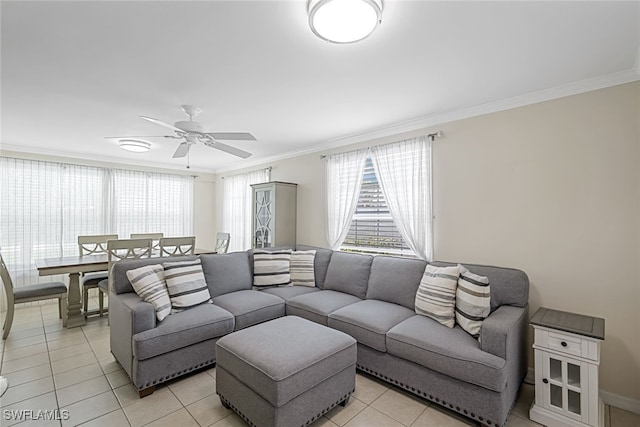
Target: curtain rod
(431, 136)
(267, 169)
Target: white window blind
(372, 228)
(46, 205)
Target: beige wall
(552, 188)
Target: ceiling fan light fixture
(134, 145)
(344, 21)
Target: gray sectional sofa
(369, 298)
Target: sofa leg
(146, 391)
(345, 401)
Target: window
(372, 228)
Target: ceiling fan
(193, 132)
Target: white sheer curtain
(236, 207)
(404, 173)
(344, 179)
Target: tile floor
(73, 371)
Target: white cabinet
(567, 356)
(273, 222)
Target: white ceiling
(74, 72)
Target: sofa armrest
(128, 315)
(504, 332)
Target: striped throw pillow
(186, 285)
(436, 294)
(271, 268)
(302, 272)
(149, 284)
(473, 301)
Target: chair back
(175, 246)
(155, 237)
(222, 242)
(127, 249)
(6, 280)
(94, 244)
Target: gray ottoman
(286, 372)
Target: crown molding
(536, 97)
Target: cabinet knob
(546, 381)
(563, 343)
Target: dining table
(74, 267)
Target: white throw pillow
(436, 296)
(271, 268)
(186, 284)
(473, 301)
(302, 269)
(149, 284)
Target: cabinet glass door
(263, 218)
(563, 380)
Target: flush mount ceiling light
(344, 21)
(134, 145)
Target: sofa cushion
(320, 264)
(120, 283)
(271, 268)
(226, 273)
(182, 329)
(301, 268)
(316, 306)
(251, 307)
(348, 272)
(452, 352)
(288, 292)
(436, 294)
(509, 286)
(149, 284)
(369, 321)
(473, 301)
(395, 279)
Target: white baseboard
(622, 402)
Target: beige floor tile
(434, 416)
(191, 388)
(180, 418)
(66, 341)
(211, 371)
(73, 350)
(112, 419)
(341, 415)
(83, 390)
(64, 333)
(118, 378)
(400, 406)
(323, 422)
(155, 406)
(31, 374)
(26, 331)
(74, 376)
(126, 394)
(102, 350)
(18, 353)
(230, 421)
(42, 423)
(11, 343)
(24, 363)
(91, 408)
(524, 400)
(20, 392)
(516, 421)
(372, 418)
(208, 410)
(43, 402)
(368, 389)
(109, 365)
(622, 418)
(73, 362)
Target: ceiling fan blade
(183, 150)
(228, 149)
(141, 136)
(232, 136)
(161, 123)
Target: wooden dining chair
(92, 245)
(155, 237)
(222, 242)
(37, 292)
(118, 250)
(175, 246)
